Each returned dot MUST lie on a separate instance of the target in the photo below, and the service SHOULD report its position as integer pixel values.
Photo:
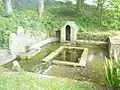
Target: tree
(8, 11)
(109, 13)
(40, 8)
(99, 5)
(78, 5)
(114, 13)
(100, 8)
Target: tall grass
(112, 70)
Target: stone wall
(91, 42)
(114, 47)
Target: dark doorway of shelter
(68, 32)
(58, 32)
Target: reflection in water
(94, 53)
(90, 56)
(69, 55)
(98, 55)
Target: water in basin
(69, 55)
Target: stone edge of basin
(82, 62)
(53, 54)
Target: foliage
(112, 70)
(3, 37)
(109, 13)
(64, 13)
(27, 19)
(114, 14)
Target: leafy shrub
(4, 35)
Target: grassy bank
(31, 81)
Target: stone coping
(36, 47)
(82, 61)
(91, 42)
(53, 54)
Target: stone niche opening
(69, 32)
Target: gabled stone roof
(71, 24)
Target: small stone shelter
(69, 32)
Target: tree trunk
(82, 4)
(99, 2)
(8, 11)
(100, 8)
(78, 5)
(101, 16)
(40, 8)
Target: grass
(83, 18)
(2, 69)
(31, 81)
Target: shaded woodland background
(103, 16)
